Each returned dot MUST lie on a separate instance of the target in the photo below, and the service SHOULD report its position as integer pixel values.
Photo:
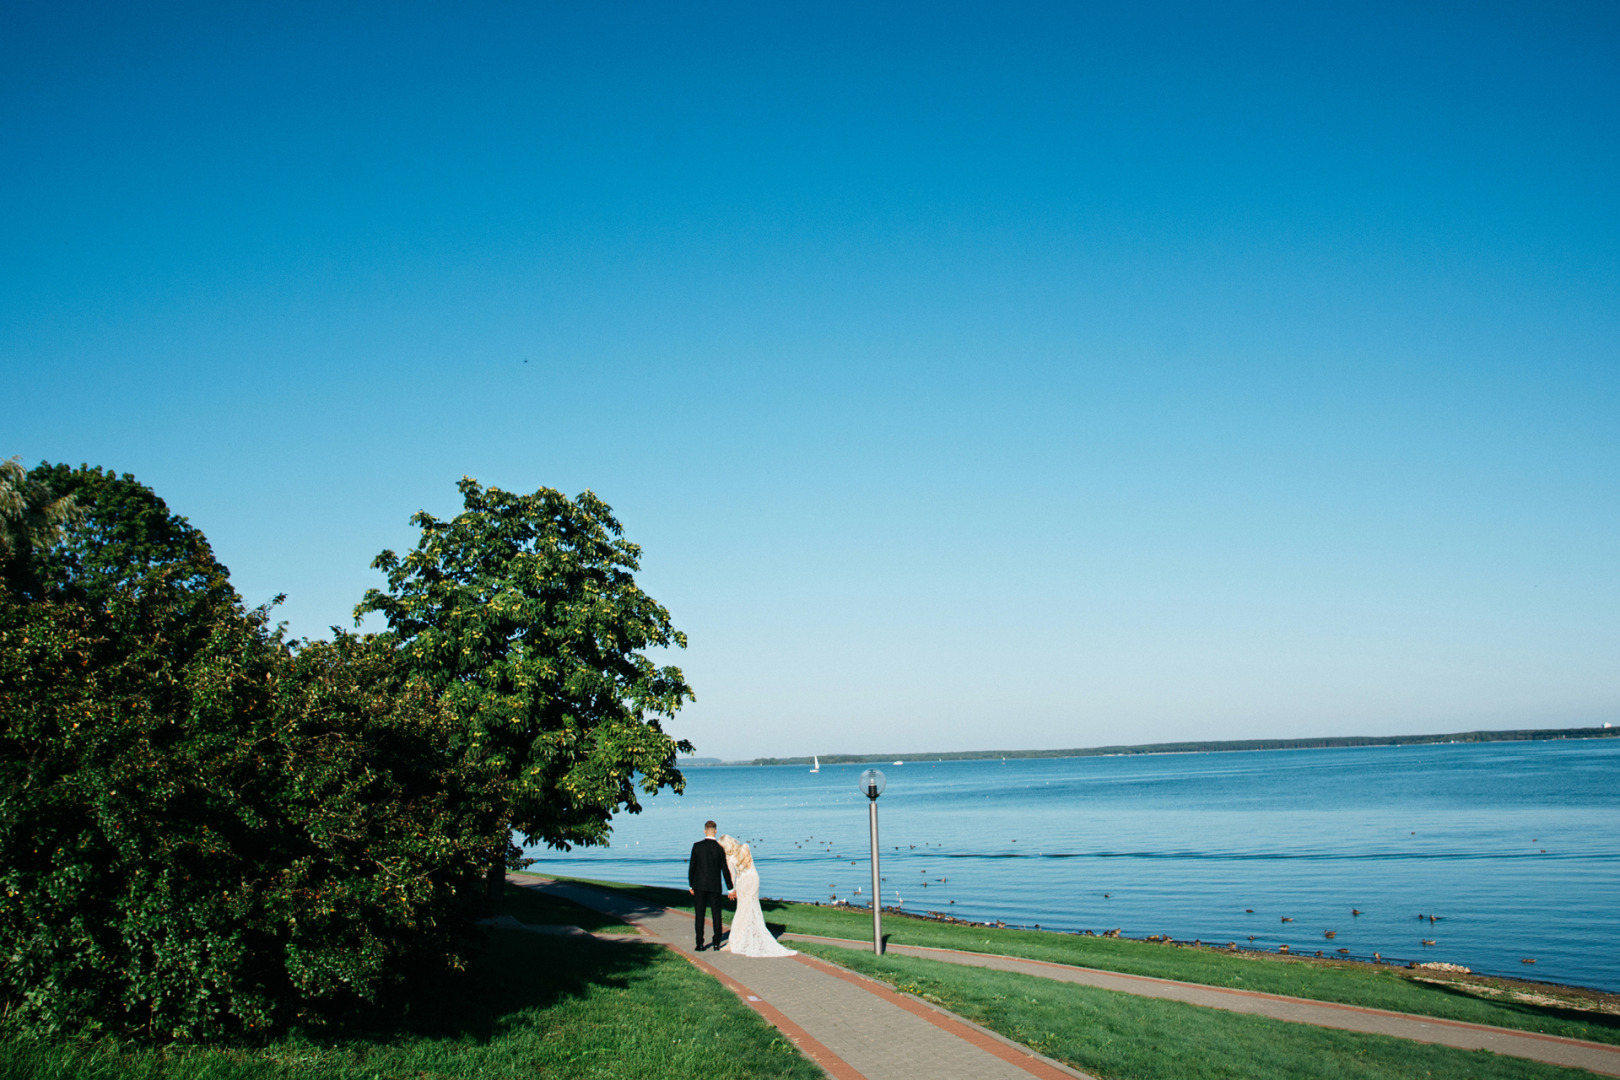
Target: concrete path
(1552, 1049)
(853, 1027)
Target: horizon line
(1605, 730)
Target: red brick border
(834, 1065)
(945, 1022)
(813, 1048)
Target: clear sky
(999, 375)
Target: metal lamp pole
(871, 785)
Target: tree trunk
(495, 881)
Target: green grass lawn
(1123, 1037)
(534, 1006)
(1367, 985)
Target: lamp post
(871, 785)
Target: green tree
(126, 555)
(32, 517)
(523, 612)
(204, 829)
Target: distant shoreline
(1216, 747)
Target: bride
(749, 935)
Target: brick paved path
(1552, 1049)
(853, 1027)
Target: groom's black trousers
(706, 901)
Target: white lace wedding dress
(749, 936)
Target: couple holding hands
(724, 858)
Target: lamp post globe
(871, 783)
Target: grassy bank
(533, 1006)
(1123, 1037)
(1480, 1001)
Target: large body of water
(1514, 847)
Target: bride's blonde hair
(741, 857)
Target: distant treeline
(1529, 735)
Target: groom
(703, 873)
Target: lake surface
(1514, 847)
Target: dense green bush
(203, 828)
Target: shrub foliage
(205, 828)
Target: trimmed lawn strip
(1368, 985)
(533, 1006)
(1123, 1037)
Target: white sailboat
(817, 766)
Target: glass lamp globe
(870, 783)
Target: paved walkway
(853, 1027)
(855, 1021)
(1553, 1049)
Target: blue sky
(973, 376)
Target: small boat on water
(817, 766)
(899, 763)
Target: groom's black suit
(704, 871)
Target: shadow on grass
(509, 995)
(515, 977)
(543, 909)
(679, 899)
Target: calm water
(1513, 845)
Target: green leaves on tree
(205, 829)
(523, 613)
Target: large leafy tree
(524, 614)
(204, 829)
